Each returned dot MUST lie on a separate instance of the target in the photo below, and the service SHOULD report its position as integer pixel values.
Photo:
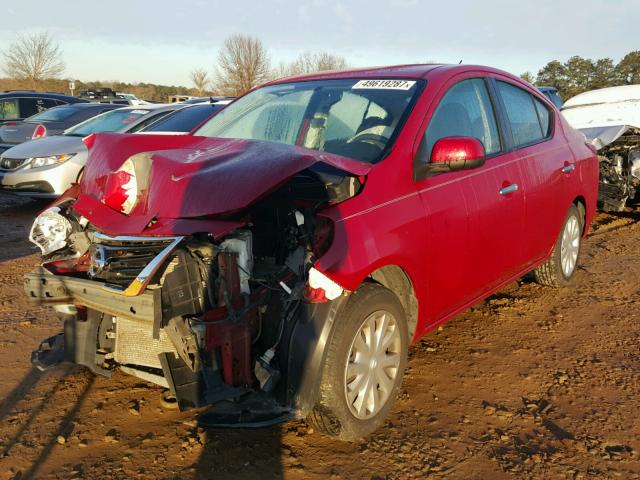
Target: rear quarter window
(544, 115)
(148, 121)
(530, 120)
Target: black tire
(551, 273)
(332, 415)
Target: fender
(308, 338)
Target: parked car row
(46, 167)
(52, 121)
(279, 261)
(19, 104)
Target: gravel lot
(532, 383)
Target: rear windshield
(112, 121)
(55, 114)
(354, 118)
(185, 119)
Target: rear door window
(9, 109)
(29, 106)
(465, 111)
(530, 121)
(148, 121)
(184, 120)
(48, 103)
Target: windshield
(185, 119)
(56, 114)
(112, 121)
(354, 118)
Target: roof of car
(418, 70)
(91, 105)
(155, 106)
(31, 93)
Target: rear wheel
(558, 271)
(364, 365)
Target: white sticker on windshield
(140, 112)
(385, 84)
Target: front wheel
(364, 366)
(558, 271)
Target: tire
(556, 272)
(345, 412)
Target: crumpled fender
(193, 177)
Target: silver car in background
(46, 167)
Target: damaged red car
(279, 262)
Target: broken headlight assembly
(124, 187)
(50, 231)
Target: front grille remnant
(123, 261)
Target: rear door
(474, 217)
(546, 166)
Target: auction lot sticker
(385, 84)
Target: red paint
(315, 295)
(457, 149)
(114, 193)
(233, 339)
(230, 328)
(456, 238)
(88, 140)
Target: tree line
(36, 62)
(578, 74)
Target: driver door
(474, 217)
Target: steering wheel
(379, 141)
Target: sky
(162, 41)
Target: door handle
(509, 189)
(568, 168)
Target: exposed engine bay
(209, 318)
(619, 154)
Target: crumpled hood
(603, 114)
(192, 177)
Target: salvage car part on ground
(610, 119)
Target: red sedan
(283, 258)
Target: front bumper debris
(44, 288)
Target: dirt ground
(532, 383)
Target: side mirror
(451, 154)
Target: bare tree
(310, 62)
(33, 58)
(200, 79)
(243, 63)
